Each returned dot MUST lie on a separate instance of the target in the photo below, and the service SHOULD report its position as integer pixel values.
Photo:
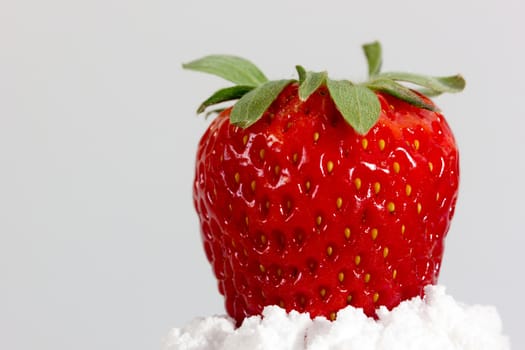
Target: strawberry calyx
(357, 103)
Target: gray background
(99, 243)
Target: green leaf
(301, 72)
(429, 92)
(235, 69)
(251, 107)
(226, 94)
(374, 58)
(310, 84)
(358, 104)
(454, 83)
(399, 91)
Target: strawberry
(314, 194)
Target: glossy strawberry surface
(300, 211)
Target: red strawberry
(316, 194)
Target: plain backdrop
(99, 242)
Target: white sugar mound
(436, 322)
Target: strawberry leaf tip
(452, 84)
(301, 73)
(252, 105)
(235, 69)
(311, 82)
(399, 91)
(223, 95)
(357, 103)
(374, 57)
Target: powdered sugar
(436, 322)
